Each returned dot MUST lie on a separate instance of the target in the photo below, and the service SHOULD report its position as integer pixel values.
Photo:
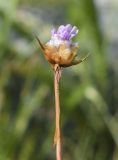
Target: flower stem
(57, 136)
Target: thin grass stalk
(57, 136)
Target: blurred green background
(89, 91)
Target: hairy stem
(57, 136)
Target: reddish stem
(57, 137)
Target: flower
(64, 34)
(60, 49)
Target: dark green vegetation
(88, 91)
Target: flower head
(60, 49)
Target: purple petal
(61, 29)
(53, 31)
(74, 30)
(64, 33)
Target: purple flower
(62, 35)
(60, 50)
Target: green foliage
(88, 91)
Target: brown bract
(64, 56)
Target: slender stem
(57, 137)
